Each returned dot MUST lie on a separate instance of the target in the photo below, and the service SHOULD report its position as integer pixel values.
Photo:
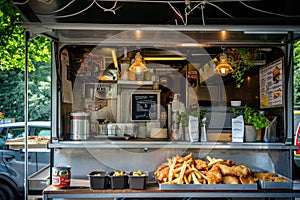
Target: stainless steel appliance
(80, 126)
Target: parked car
(297, 135)
(12, 160)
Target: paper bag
(194, 128)
(238, 129)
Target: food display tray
(208, 186)
(276, 185)
(40, 179)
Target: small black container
(118, 182)
(137, 182)
(98, 180)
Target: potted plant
(253, 120)
(184, 121)
(196, 112)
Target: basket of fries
(188, 173)
(137, 180)
(98, 180)
(118, 180)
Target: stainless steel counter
(148, 144)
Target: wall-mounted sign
(145, 106)
(193, 78)
(271, 84)
(100, 90)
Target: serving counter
(150, 154)
(150, 144)
(80, 189)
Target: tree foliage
(12, 93)
(12, 65)
(12, 41)
(297, 73)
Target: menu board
(145, 106)
(271, 84)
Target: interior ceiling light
(164, 58)
(223, 68)
(114, 57)
(138, 66)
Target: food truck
(169, 101)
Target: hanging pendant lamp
(138, 66)
(223, 68)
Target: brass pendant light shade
(223, 68)
(138, 66)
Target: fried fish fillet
(236, 170)
(201, 164)
(264, 175)
(229, 163)
(242, 170)
(248, 180)
(270, 177)
(162, 172)
(214, 175)
(280, 179)
(231, 180)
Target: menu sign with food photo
(271, 87)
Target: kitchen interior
(103, 84)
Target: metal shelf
(146, 144)
(126, 82)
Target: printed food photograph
(276, 74)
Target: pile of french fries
(182, 170)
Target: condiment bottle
(175, 118)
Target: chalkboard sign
(145, 106)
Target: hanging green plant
(242, 60)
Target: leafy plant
(252, 117)
(297, 73)
(12, 66)
(39, 93)
(242, 60)
(12, 41)
(196, 112)
(184, 118)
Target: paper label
(193, 128)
